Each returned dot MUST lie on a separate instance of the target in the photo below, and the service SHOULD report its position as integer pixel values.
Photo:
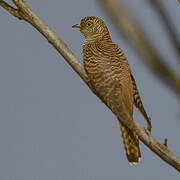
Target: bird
(110, 75)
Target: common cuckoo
(110, 75)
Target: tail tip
(135, 163)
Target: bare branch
(161, 150)
(29, 16)
(170, 27)
(134, 33)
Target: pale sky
(52, 126)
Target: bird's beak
(76, 26)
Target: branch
(25, 13)
(10, 9)
(134, 33)
(170, 27)
(29, 16)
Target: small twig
(165, 142)
(62, 48)
(134, 33)
(170, 27)
(10, 9)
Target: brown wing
(123, 77)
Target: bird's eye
(89, 23)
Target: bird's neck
(104, 37)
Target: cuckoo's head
(92, 27)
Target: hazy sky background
(52, 127)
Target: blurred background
(52, 126)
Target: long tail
(131, 145)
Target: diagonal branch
(134, 33)
(161, 150)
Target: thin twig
(165, 142)
(10, 9)
(170, 27)
(134, 33)
(161, 150)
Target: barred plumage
(110, 75)
(138, 103)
